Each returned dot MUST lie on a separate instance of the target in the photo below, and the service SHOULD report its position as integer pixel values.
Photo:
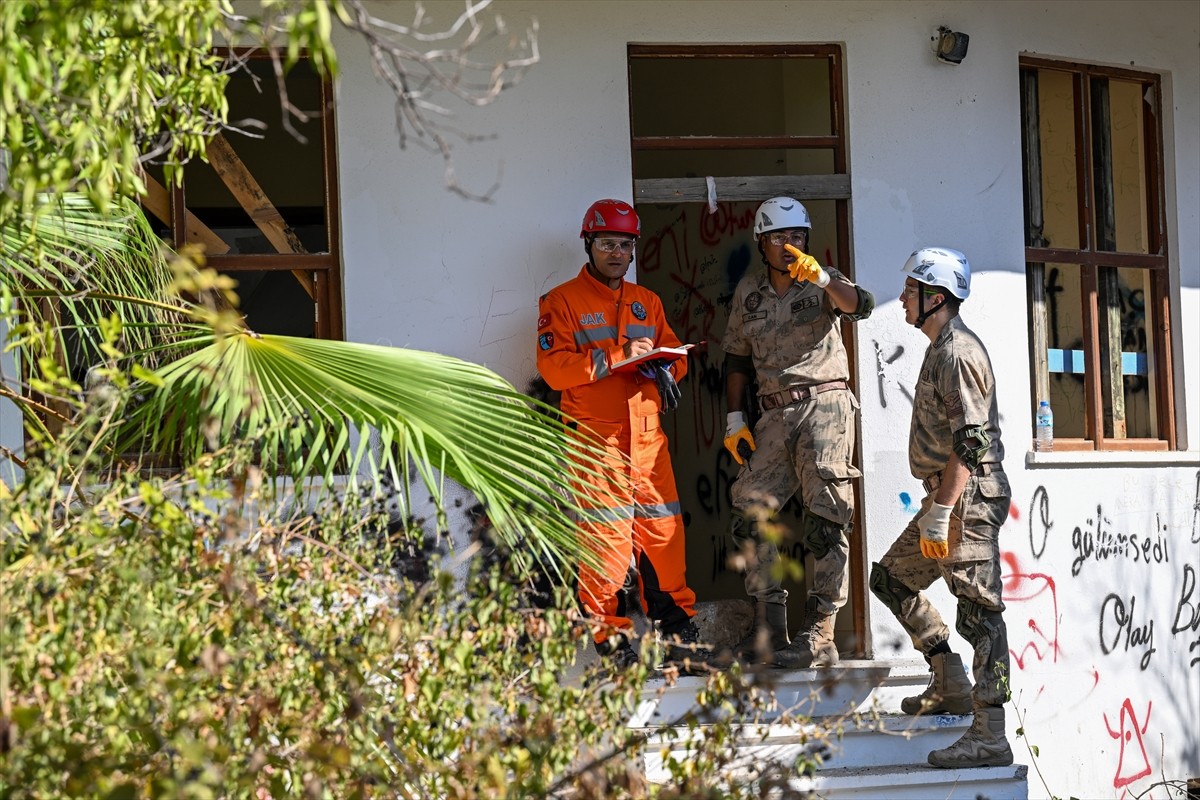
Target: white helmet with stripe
(779, 213)
(941, 266)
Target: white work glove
(806, 268)
(738, 439)
(935, 529)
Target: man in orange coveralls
(585, 326)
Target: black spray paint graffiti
(1133, 328)
(1121, 629)
(1095, 543)
(1053, 290)
(1041, 505)
(1123, 632)
(881, 365)
(713, 495)
(1187, 613)
(1196, 513)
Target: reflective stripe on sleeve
(591, 335)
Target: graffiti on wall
(1128, 629)
(1132, 762)
(1123, 628)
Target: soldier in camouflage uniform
(955, 450)
(784, 330)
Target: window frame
(324, 269)
(835, 186)
(1098, 266)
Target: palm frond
(68, 266)
(320, 409)
(334, 411)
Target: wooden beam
(254, 201)
(1035, 271)
(695, 190)
(157, 201)
(1112, 383)
(780, 142)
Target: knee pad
(984, 628)
(888, 589)
(819, 534)
(976, 624)
(743, 530)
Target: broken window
(1096, 255)
(759, 120)
(265, 205)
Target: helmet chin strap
(923, 313)
(770, 266)
(592, 268)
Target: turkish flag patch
(543, 321)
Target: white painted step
(850, 687)
(879, 763)
(844, 722)
(866, 741)
(918, 783)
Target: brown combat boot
(768, 634)
(948, 692)
(983, 745)
(813, 645)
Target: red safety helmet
(610, 216)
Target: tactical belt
(935, 480)
(789, 396)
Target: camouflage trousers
(804, 447)
(971, 571)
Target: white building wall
(1105, 644)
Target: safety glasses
(780, 238)
(613, 245)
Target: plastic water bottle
(1044, 427)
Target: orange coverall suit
(582, 327)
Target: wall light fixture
(949, 46)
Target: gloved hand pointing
(806, 268)
(668, 390)
(935, 529)
(736, 433)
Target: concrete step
(917, 782)
(848, 688)
(885, 759)
(835, 732)
(855, 742)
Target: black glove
(668, 389)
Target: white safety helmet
(941, 266)
(779, 213)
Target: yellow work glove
(935, 530)
(738, 437)
(806, 268)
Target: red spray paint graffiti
(1129, 732)
(1035, 596)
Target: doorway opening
(715, 130)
